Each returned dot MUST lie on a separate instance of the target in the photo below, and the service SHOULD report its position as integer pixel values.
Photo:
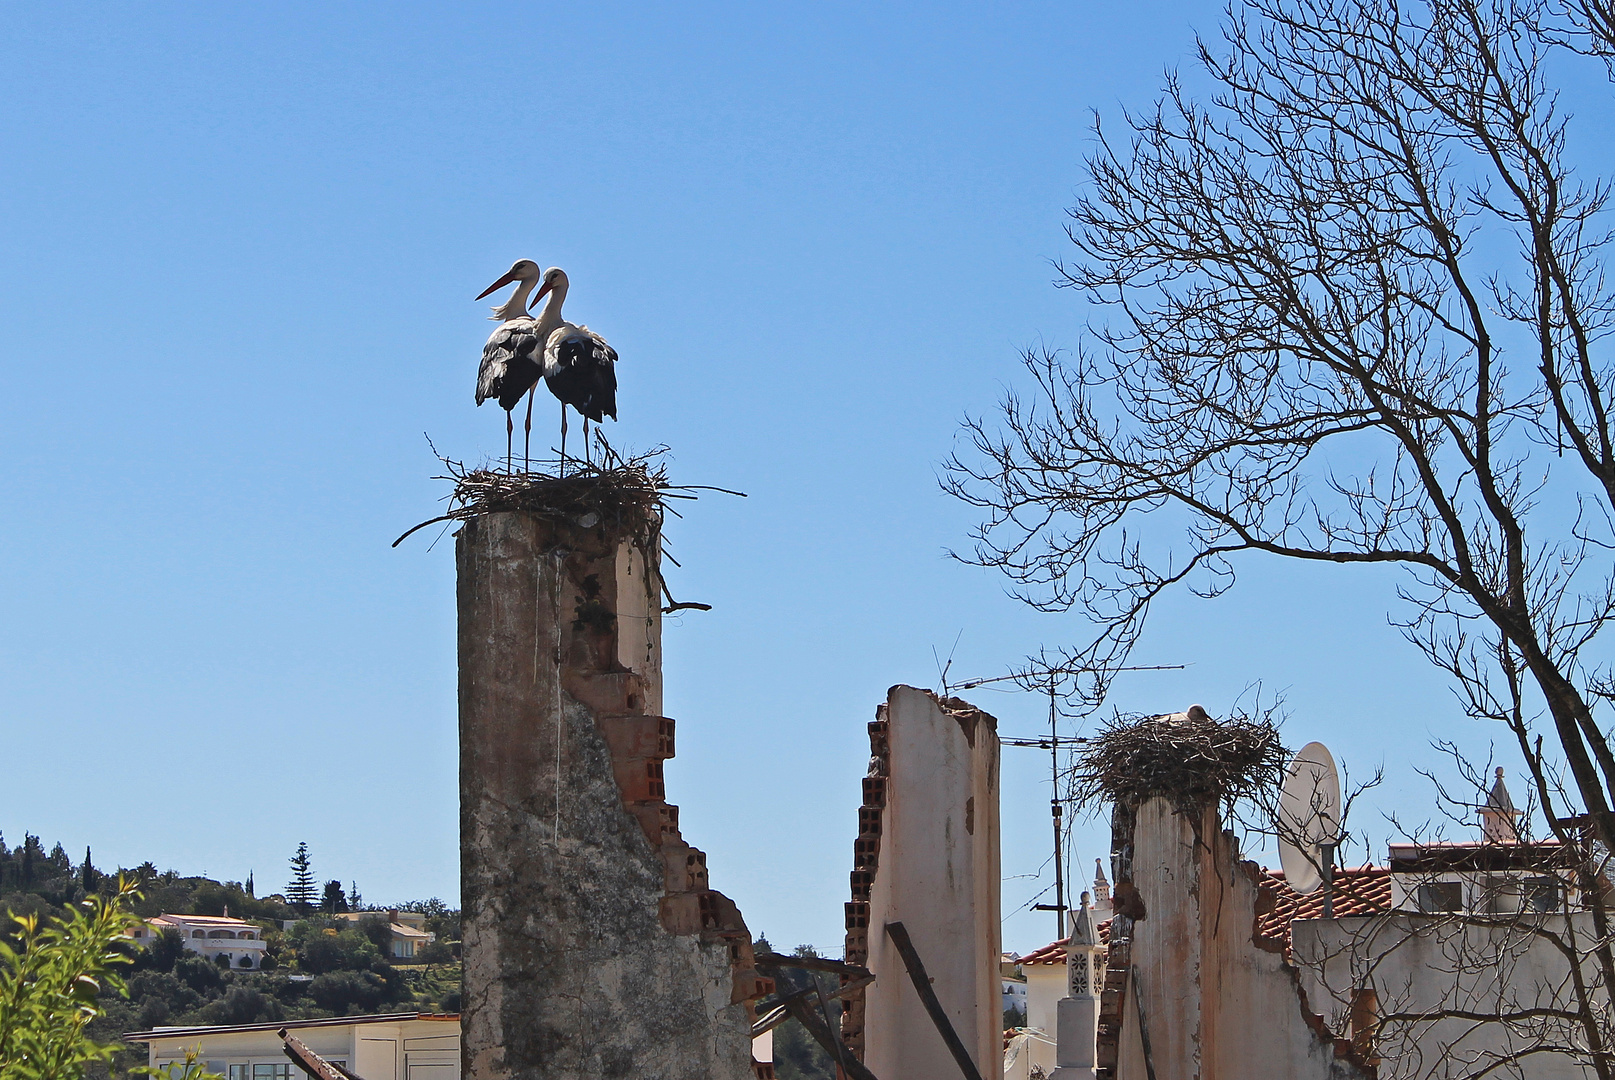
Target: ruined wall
(928, 858)
(593, 945)
(1190, 990)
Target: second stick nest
(1188, 759)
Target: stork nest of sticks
(629, 495)
(1189, 759)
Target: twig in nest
(673, 605)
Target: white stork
(512, 360)
(580, 369)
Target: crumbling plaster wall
(593, 945)
(932, 863)
(1191, 992)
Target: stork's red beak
(540, 296)
(500, 284)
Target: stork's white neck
(552, 305)
(516, 306)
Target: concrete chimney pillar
(1077, 1014)
(593, 946)
(929, 859)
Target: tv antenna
(1047, 680)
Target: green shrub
(346, 950)
(199, 973)
(349, 991)
(244, 1005)
(52, 982)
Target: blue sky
(241, 245)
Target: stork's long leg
(585, 440)
(527, 434)
(510, 428)
(563, 438)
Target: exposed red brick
(865, 860)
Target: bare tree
(1351, 308)
(1357, 310)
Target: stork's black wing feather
(585, 376)
(510, 365)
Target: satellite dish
(1309, 816)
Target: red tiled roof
(1363, 890)
(1054, 951)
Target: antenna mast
(1055, 809)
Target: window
(1441, 896)
(196, 933)
(1542, 894)
(278, 1071)
(1503, 895)
(239, 1072)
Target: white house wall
(1045, 986)
(410, 1050)
(1410, 959)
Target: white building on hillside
(240, 941)
(394, 1046)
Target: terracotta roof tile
(1054, 951)
(1364, 890)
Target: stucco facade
(938, 874)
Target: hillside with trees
(315, 963)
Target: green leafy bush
(347, 991)
(345, 950)
(53, 978)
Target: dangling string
(560, 718)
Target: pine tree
(250, 891)
(334, 902)
(355, 901)
(89, 876)
(301, 890)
